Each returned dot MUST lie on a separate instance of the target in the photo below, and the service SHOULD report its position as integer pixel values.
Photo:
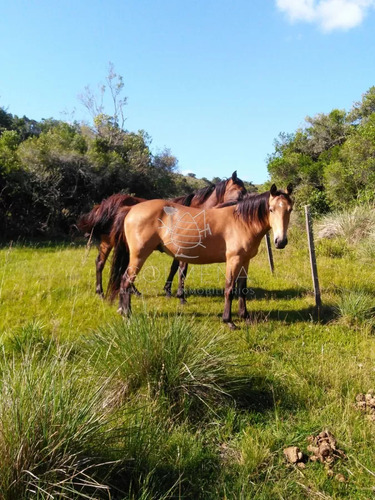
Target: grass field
(171, 403)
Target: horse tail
(120, 256)
(100, 219)
(86, 223)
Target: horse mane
(202, 194)
(184, 200)
(220, 190)
(254, 207)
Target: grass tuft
(172, 358)
(351, 225)
(51, 431)
(356, 308)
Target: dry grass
(351, 225)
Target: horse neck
(256, 231)
(210, 202)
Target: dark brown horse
(98, 224)
(100, 221)
(230, 234)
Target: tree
(302, 158)
(351, 178)
(362, 110)
(109, 126)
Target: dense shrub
(52, 171)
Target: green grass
(171, 403)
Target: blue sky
(214, 81)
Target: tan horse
(230, 234)
(104, 218)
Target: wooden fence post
(269, 252)
(314, 269)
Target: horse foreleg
(182, 271)
(232, 272)
(242, 292)
(168, 283)
(105, 248)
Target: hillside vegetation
(51, 170)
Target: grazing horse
(110, 213)
(230, 234)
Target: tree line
(331, 160)
(51, 171)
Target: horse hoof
(183, 302)
(232, 326)
(124, 313)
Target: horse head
(234, 189)
(280, 207)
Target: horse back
(188, 234)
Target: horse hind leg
(105, 248)
(168, 283)
(127, 284)
(242, 292)
(182, 272)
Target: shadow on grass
(290, 316)
(286, 316)
(262, 394)
(44, 243)
(253, 293)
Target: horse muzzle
(281, 243)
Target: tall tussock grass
(352, 225)
(63, 433)
(51, 432)
(171, 358)
(356, 308)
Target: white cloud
(328, 14)
(298, 10)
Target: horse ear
(289, 188)
(234, 176)
(273, 190)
